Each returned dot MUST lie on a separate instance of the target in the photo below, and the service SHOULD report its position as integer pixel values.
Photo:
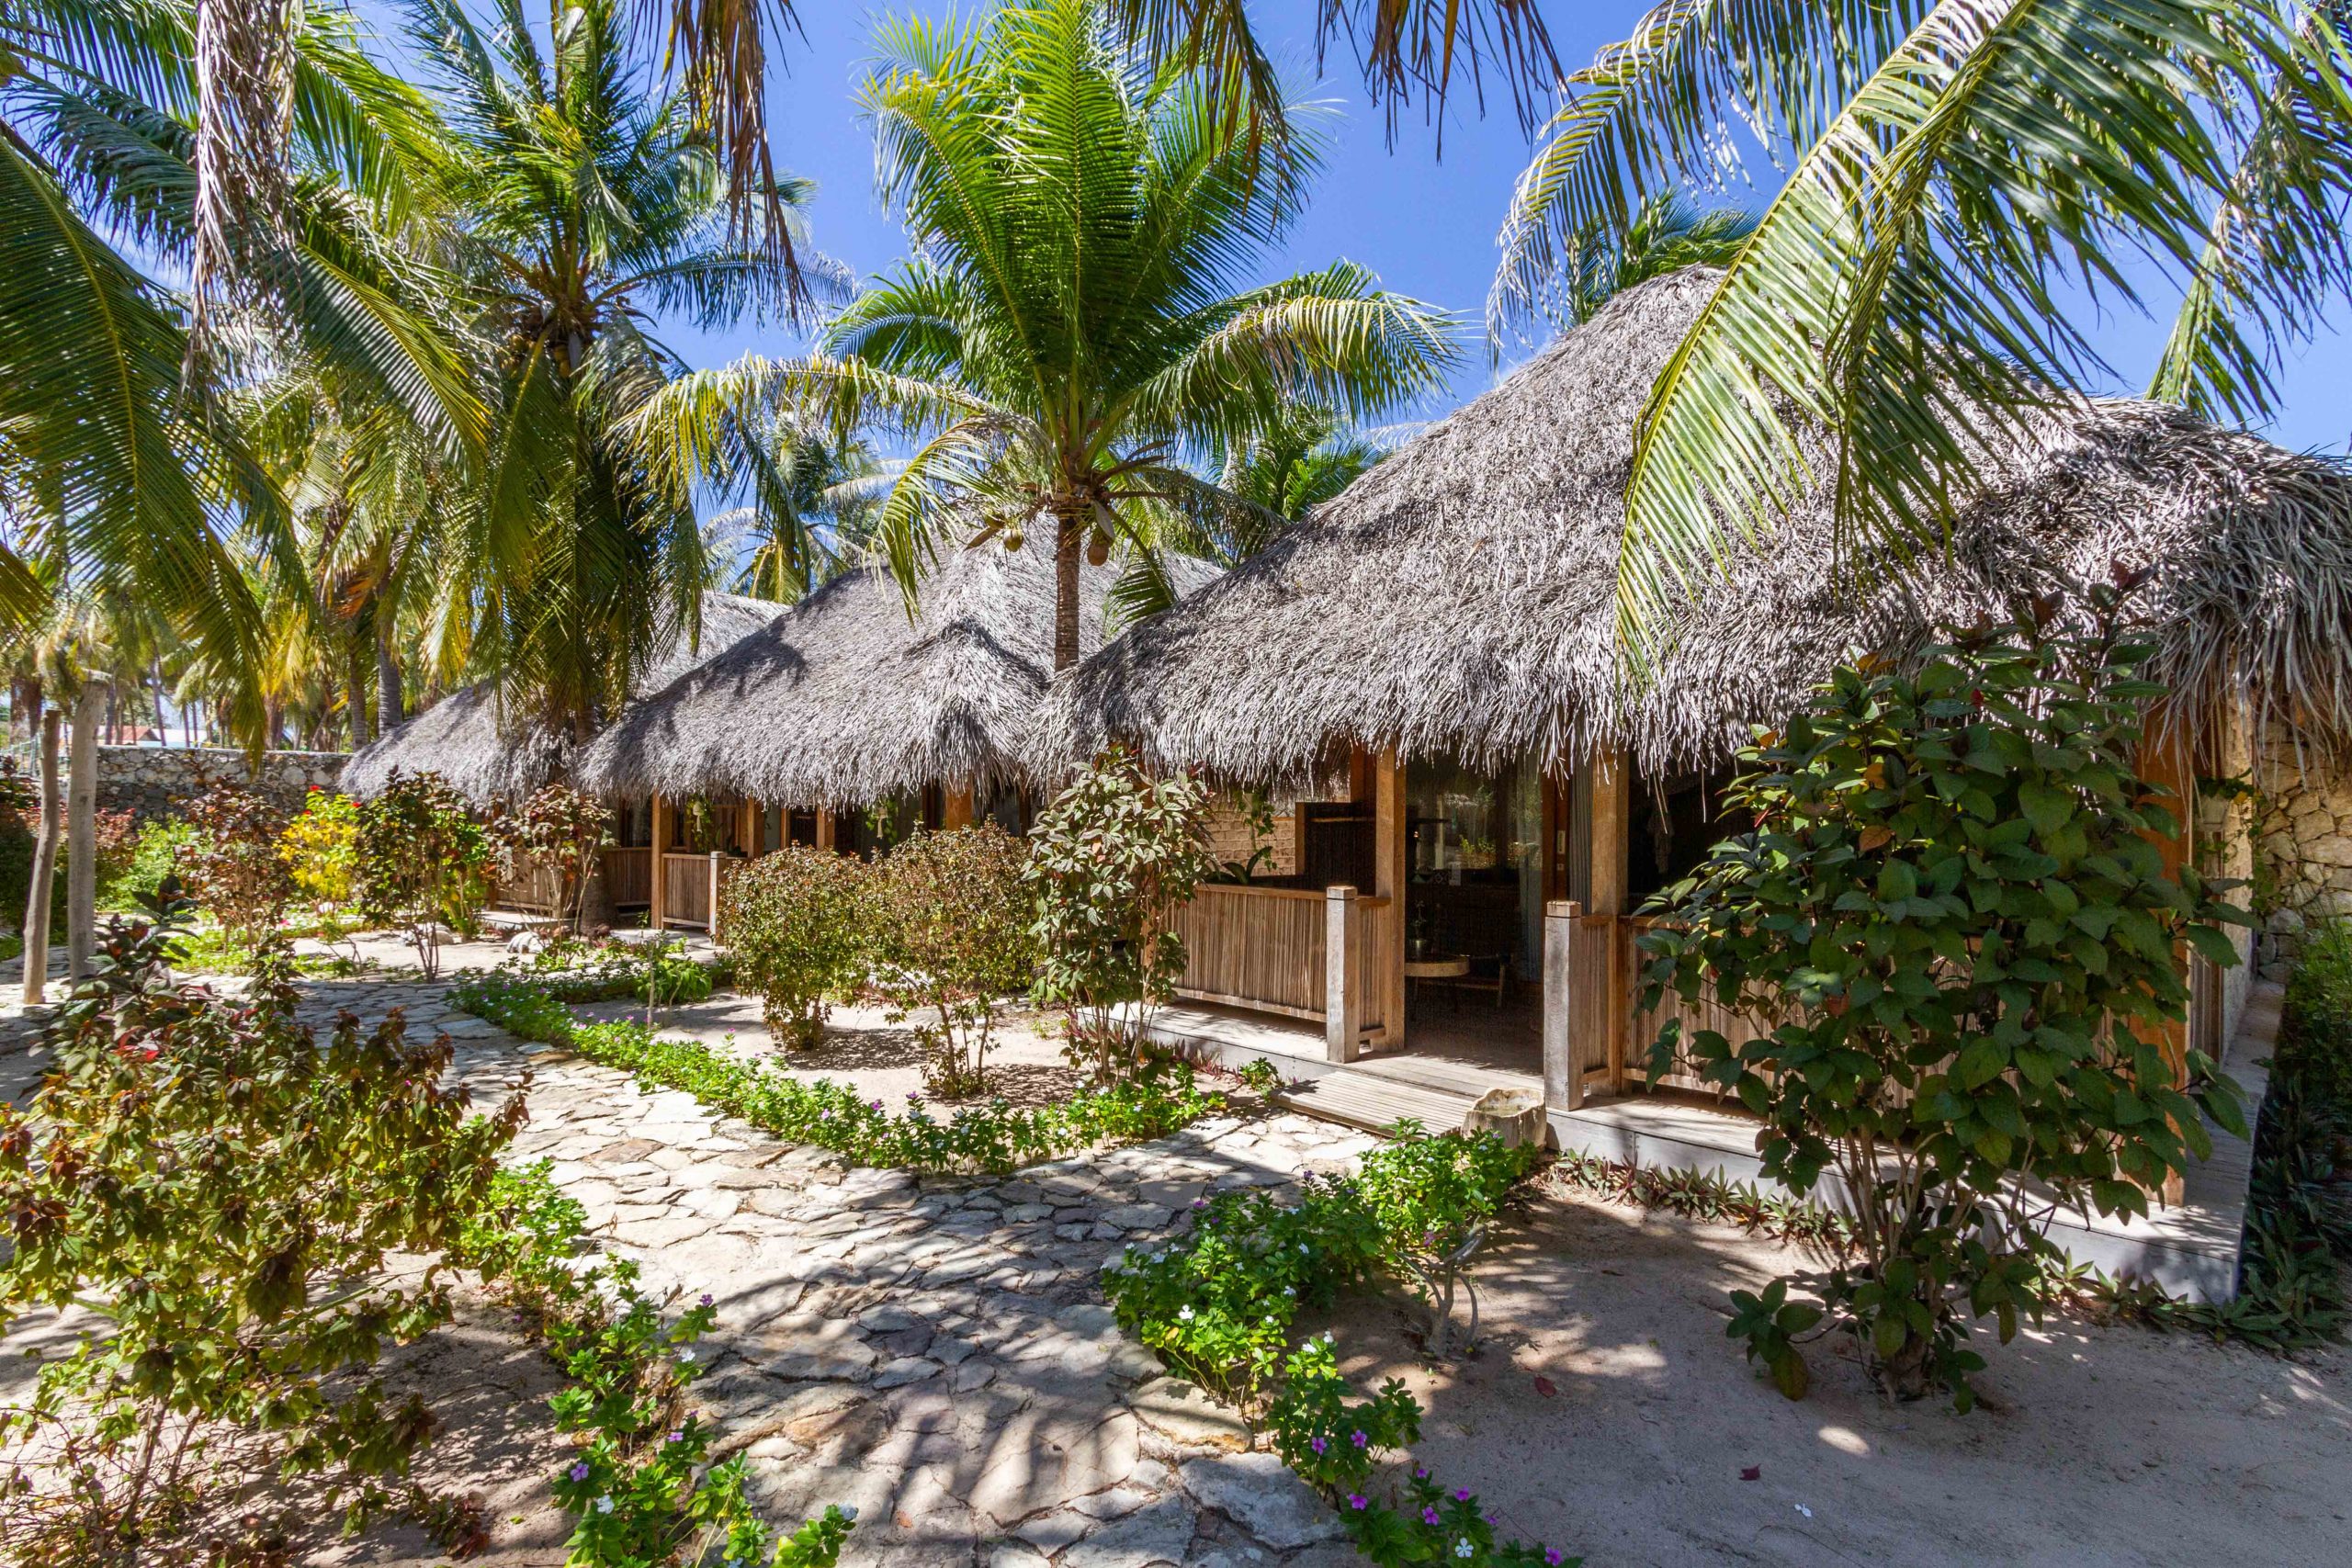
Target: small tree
(1108, 860)
(951, 924)
(422, 853)
(1953, 916)
(321, 848)
(558, 826)
(223, 1191)
(798, 930)
(232, 865)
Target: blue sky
(1425, 224)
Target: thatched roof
(844, 701)
(486, 751)
(1459, 599)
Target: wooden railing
(685, 889)
(1269, 948)
(628, 877)
(536, 887)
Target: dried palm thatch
(487, 751)
(844, 701)
(1459, 598)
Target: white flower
(1184, 1314)
(603, 1504)
(849, 1512)
(1462, 1547)
(685, 1352)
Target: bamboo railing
(1267, 948)
(628, 877)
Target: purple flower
(1462, 1495)
(877, 1105)
(1317, 1445)
(1552, 1556)
(676, 1437)
(706, 1298)
(1200, 1202)
(1428, 1516)
(1358, 1438)
(580, 1471)
(1358, 1501)
(1421, 1473)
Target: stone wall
(153, 781)
(2306, 842)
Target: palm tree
(812, 501)
(1307, 456)
(1666, 232)
(1078, 316)
(1954, 169)
(583, 205)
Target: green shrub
(1431, 1200)
(1954, 916)
(950, 922)
(223, 1191)
(423, 862)
(320, 848)
(798, 927)
(231, 865)
(1107, 862)
(156, 851)
(2315, 1028)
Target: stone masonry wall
(150, 782)
(2306, 843)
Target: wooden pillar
(825, 827)
(2166, 761)
(1612, 792)
(654, 912)
(747, 826)
(1340, 1021)
(957, 810)
(1388, 882)
(718, 864)
(1563, 1085)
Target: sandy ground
(2095, 1445)
(862, 1048)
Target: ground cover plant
(223, 1189)
(799, 929)
(1218, 1304)
(423, 861)
(951, 928)
(997, 1136)
(1954, 915)
(1108, 860)
(639, 1485)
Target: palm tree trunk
(45, 721)
(1069, 537)
(355, 693)
(388, 674)
(82, 828)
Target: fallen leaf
(1753, 1472)
(1547, 1387)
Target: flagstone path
(933, 1352)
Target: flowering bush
(1432, 1199)
(996, 1137)
(1335, 1447)
(321, 848)
(797, 926)
(952, 923)
(1107, 861)
(1218, 1304)
(232, 867)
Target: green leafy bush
(1431, 1200)
(950, 922)
(1954, 916)
(423, 861)
(224, 1191)
(798, 927)
(1218, 1303)
(560, 828)
(231, 865)
(156, 851)
(321, 848)
(1107, 862)
(995, 1137)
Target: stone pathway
(934, 1352)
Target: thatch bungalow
(848, 721)
(1429, 668)
(492, 755)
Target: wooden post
(824, 827)
(1388, 882)
(1563, 1085)
(1613, 788)
(956, 810)
(710, 925)
(654, 912)
(1340, 1022)
(2165, 762)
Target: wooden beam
(1563, 1085)
(1388, 882)
(2167, 760)
(653, 911)
(956, 810)
(1612, 791)
(1340, 1024)
(824, 827)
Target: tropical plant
(1431, 1201)
(587, 200)
(1108, 860)
(951, 929)
(1664, 233)
(423, 857)
(235, 1302)
(320, 847)
(811, 498)
(559, 828)
(1954, 921)
(798, 929)
(1079, 311)
(232, 867)
(1959, 173)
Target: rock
(1051, 1532)
(1258, 1493)
(904, 1370)
(972, 1375)
(886, 1319)
(1179, 1412)
(1514, 1115)
(1135, 1216)
(1157, 1534)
